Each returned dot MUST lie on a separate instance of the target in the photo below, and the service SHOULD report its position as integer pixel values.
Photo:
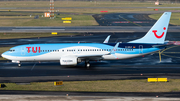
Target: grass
(100, 86)
(32, 35)
(110, 10)
(175, 18)
(77, 20)
(81, 18)
(3, 49)
(84, 4)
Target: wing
(99, 56)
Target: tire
(19, 65)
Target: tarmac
(148, 65)
(137, 68)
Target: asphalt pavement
(148, 65)
(136, 68)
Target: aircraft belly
(120, 56)
(44, 57)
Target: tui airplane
(74, 53)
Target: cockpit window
(11, 50)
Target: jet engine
(68, 60)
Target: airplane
(70, 54)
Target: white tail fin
(157, 33)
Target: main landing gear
(87, 64)
(19, 64)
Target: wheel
(19, 64)
(87, 64)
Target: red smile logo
(160, 35)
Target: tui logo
(154, 31)
(34, 50)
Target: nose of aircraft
(3, 54)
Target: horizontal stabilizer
(114, 50)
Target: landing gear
(87, 64)
(19, 64)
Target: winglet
(107, 39)
(114, 50)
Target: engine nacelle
(68, 60)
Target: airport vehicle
(74, 53)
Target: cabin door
(140, 49)
(22, 50)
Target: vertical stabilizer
(157, 33)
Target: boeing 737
(74, 53)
